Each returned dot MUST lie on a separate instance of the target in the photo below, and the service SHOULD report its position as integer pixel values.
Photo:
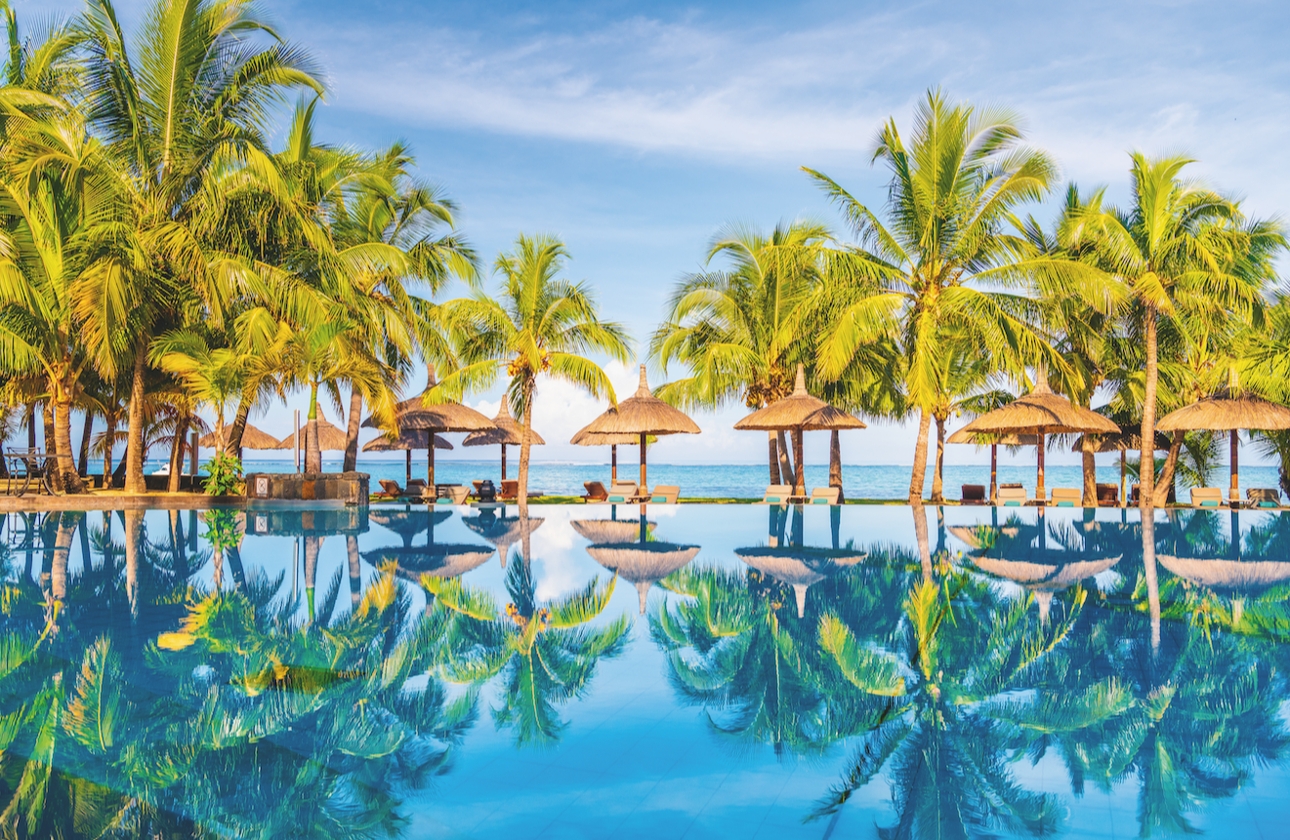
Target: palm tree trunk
(355, 570)
(239, 427)
(938, 479)
(799, 483)
(526, 423)
(177, 454)
(312, 546)
(134, 482)
(1147, 466)
(1150, 573)
(62, 548)
(351, 429)
(51, 444)
(83, 457)
(785, 463)
(920, 536)
(31, 425)
(1090, 473)
(108, 444)
(835, 463)
(65, 468)
(313, 453)
(774, 457)
(1165, 486)
(919, 474)
(133, 536)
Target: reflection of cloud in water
(557, 570)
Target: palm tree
(741, 331)
(191, 95)
(537, 323)
(1178, 245)
(935, 269)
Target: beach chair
(664, 494)
(390, 489)
(777, 494)
(1066, 497)
(1263, 497)
(1108, 495)
(621, 492)
(1206, 497)
(454, 494)
(1012, 496)
(973, 494)
(825, 495)
(510, 490)
(596, 491)
(1135, 494)
(416, 488)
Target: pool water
(715, 671)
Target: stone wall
(349, 488)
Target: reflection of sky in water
(636, 759)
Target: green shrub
(223, 475)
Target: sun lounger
(510, 490)
(1108, 495)
(973, 494)
(1012, 496)
(1263, 497)
(664, 494)
(596, 491)
(1206, 497)
(390, 489)
(1135, 494)
(416, 488)
(825, 495)
(1066, 497)
(622, 492)
(777, 494)
(454, 494)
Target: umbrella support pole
(407, 466)
(1040, 493)
(994, 473)
(430, 463)
(503, 462)
(1235, 497)
(641, 488)
(613, 463)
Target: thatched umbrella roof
(610, 530)
(585, 437)
(442, 417)
(1228, 574)
(983, 439)
(799, 567)
(407, 523)
(1041, 412)
(799, 410)
(643, 414)
(502, 531)
(1127, 440)
(331, 438)
(643, 563)
(505, 431)
(1226, 414)
(408, 439)
(252, 438)
(443, 560)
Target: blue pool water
(725, 671)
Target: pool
(713, 671)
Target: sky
(637, 132)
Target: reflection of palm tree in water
(545, 652)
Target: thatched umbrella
(331, 438)
(441, 417)
(1041, 413)
(407, 440)
(506, 432)
(799, 566)
(502, 531)
(643, 414)
(443, 560)
(1228, 414)
(588, 438)
(1012, 441)
(1122, 442)
(252, 438)
(610, 530)
(799, 412)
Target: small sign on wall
(261, 486)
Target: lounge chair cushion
(617, 498)
(773, 499)
(658, 500)
(1209, 503)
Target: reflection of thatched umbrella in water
(799, 566)
(408, 440)
(638, 560)
(409, 522)
(507, 433)
(1039, 569)
(443, 560)
(502, 531)
(1228, 414)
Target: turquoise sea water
(714, 672)
(744, 480)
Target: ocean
(741, 480)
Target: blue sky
(636, 131)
